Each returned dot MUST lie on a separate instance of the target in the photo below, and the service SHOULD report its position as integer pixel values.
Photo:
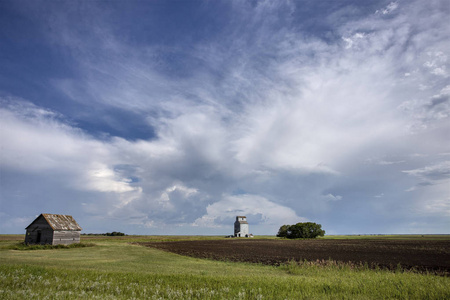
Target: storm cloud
(173, 118)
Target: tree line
(306, 230)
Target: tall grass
(32, 282)
(114, 269)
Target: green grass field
(117, 269)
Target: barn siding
(46, 236)
(66, 237)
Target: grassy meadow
(117, 269)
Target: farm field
(421, 255)
(118, 268)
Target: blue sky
(173, 117)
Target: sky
(174, 117)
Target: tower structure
(241, 227)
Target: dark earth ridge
(420, 255)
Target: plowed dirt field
(422, 255)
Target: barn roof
(59, 222)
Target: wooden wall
(39, 232)
(39, 236)
(66, 237)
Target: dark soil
(420, 255)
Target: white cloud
(331, 197)
(100, 177)
(436, 172)
(437, 63)
(279, 113)
(389, 9)
(229, 206)
(184, 192)
(37, 142)
(353, 40)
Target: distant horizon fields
(327, 236)
(343, 234)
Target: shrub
(115, 233)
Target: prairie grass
(116, 269)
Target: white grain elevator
(241, 227)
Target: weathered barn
(53, 229)
(241, 226)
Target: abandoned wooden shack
(53, 229)
(241, 227)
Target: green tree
(306, 230)
(283, 231)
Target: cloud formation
(262, 112)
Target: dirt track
(431, 255)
